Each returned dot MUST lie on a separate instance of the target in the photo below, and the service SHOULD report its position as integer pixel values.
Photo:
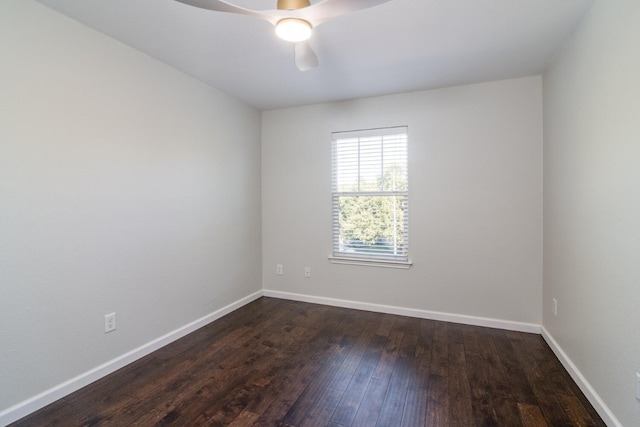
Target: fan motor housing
(292, 4)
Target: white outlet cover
(109, 322)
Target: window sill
(368, 262)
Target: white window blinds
(370, 194)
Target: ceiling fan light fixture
(293, 29)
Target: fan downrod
(293, 4)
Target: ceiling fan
(294, 20)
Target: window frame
(356, 257)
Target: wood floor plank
(504, 401)
(519, 386)
(573, 401)
(575, 410)
(531, 416)
(350, 402)
(328, 362)
(321, 414)
(244, 418)
(314, 391)
(415, 407)
(187, 378)
(385, 325)
(284, 363)
(438, 396)
(438, 402)
(369, 409)
(343, 376)
(195, 390)
(477, 374)
(387, 360)
(393, 406)
(440, 350)
(322, 409)
(544, 392)
(460, 407)
(297, 367)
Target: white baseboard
(411, 312)
(41, 400)
(34, 403)
(593, 397)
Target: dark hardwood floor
(282, 363)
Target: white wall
(124, 186)
(475, 174)
(592, 202)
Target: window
(370, 195)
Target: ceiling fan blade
(305, 58)
(321, 12)
(223, 6)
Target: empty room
(320, 213)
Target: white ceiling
(399, 46)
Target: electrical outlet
(279, 269)
(638, 385)
(109, 322)
(554, 307)
(307, 272)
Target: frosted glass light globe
(293, 30)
